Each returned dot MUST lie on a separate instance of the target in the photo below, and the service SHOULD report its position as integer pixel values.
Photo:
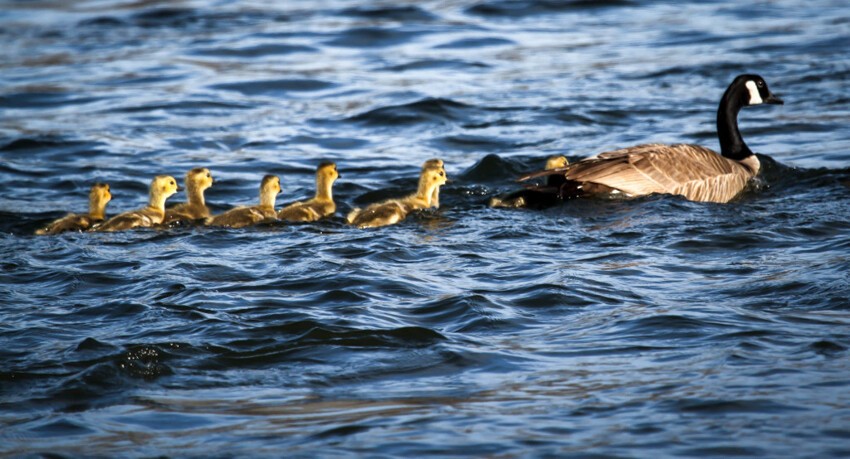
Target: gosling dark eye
(172, 183)
(441, 174)
(208, 175)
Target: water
(654, 326)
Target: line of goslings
(195, 210)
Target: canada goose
(536, 198)
(434, 163)
(197, 181)
(693, 171)
(320, 206)
(395, 210)
(98, 197)
(251, 215)
(162, 186)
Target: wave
(409, 13)
(373, 37)
(272, 87)
(519, 8)
(428, 110)
(255, 51)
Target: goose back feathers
(692, 171)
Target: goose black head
(756, 91)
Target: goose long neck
(97, 211)
(196, 195)
(429, 191)
(157, 201)
(425, 190)
(732, 144)
(267, 199)
(432, 195)
(97, 208)
(324, 187)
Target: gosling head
(556, 162)
(270, 186)
(164, 185)
(433, 163)
(199, 178)
(754, 90)
(327, 171)
(99, 195)
(269, 189)
(435, 176)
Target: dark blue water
(650, 327)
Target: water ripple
(597, 327)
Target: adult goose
(692, 171)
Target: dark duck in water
(536, 197)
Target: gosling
(395, 210)
(534, 199)
(99, 196)
(197, 181)
(162, 187)
(434, 163)
(322, 205)
(241, 217)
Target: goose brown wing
(380, 214)
(73, 222)
(128, 220)
(298, 212)
(693, 171)
(186, 211)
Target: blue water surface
(598, 328)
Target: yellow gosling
(99, 196)
(240, 217)
(320, 206)
(434, 163)
(395, 210)
(430, 181)
(162, 187)
(197, 181)
(556, 162)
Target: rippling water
(654, 326)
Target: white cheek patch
(755, 97)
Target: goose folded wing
(654, 168)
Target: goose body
(240, 217)
(197, 181)
(535, 198)
(392, 211)
(99, 196)
(320, 206)
(692, 171)
(162, 187)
